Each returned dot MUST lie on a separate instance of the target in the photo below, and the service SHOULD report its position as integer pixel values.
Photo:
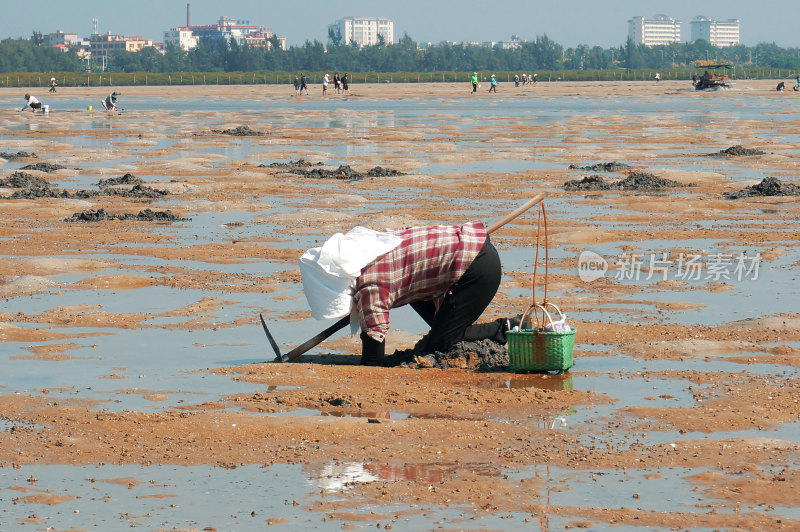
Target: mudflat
(131, 341)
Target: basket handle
(543, 308)
(541, 222)
(526, 317)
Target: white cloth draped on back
(330, 271)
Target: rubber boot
(372, 351)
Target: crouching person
(32, 102)
(448, 274)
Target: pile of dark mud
(99, 215)
(736, 151)
(482, 355)
(769, 186)
(24, 180)
(300, 163)
(239, 131)
(345, 172)
(612, 166)
(19, 155)
(637, 181)
(137, 191)
(127, 179)
(32, 187)
(43, 167)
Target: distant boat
(718, 80)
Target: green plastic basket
(539, 350)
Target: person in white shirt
(325, 80)
(32, 102)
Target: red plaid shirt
(423, 267)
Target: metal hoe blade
(279, 357)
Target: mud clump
(637, 181)
(239, 131)
(345, 172)
(612, 166)
(592, 182)
(481, 355)
(379, 171)
(100, 215)
(138, 191)
(769, 186)
(43, 167)
(736, 151)
(32, 187)
(300, 163)
(127, 179)
(24, 180)
(18, 155)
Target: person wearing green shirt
(474, 81)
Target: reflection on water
(339, 476)
(554, 383)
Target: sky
(567, 22)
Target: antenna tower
(94, 23)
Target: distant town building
(716, 33)
(60, 37)
(102, 44)
(240, 31)
(514, 43)
(183, 38)
(656, 31)
(364, 31)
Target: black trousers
(463, 304)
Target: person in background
(303, 83)
(53, 84)
(780, 87)
(325, 80)
(345, 83)
(796, 84)
(296, 86)
(109, 103)
(32, 102)
(474, 81)
(493, 84)
(336, 82)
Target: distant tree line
(31, 55)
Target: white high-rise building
(717, 33)
(656, 31)
(364, 31)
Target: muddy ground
(723, 424)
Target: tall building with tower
(241, 31)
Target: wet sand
(671, 375)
